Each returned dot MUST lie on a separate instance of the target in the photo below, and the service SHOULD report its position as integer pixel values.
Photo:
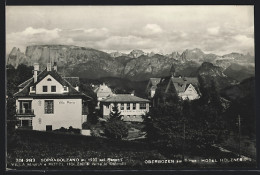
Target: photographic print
(130, 87)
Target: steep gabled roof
(181, 83)
(26, 89)
(22, 85)
(125, 98)
(103, 91)
(74, 81)
(155, 81)
(152, 84)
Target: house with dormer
(187, 88)
(48, 101)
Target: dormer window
(49, 79)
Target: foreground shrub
(70, 130)
(116, 129)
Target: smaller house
(186, 87)
(102, 91)
(131, 107)
(151, 87)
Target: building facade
(103, 92)
(131, 107)
(185, 87)
(48, 101)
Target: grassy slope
(36, 144)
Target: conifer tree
(115, 128)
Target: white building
(131, 107)
(48, 101)
(103, 92)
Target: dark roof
(72, 91)
(155, 81)
(125, 98)
(74, 81)
(22, 85)
(181, 83)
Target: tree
(115, 128)
(178, 125)
(115, 114)
(164, 125)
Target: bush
(116, 129)
(70, 130)
(86, 125)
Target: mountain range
(137, 65)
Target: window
(128, 106)
(65, 88)
(48, 127)
(48, 106)
(48, 79)
(26, 122)
(134, 106)
(122, 106)
(142, 106)
(25, 107)
(32, 88)
(53, 88)
(44, 88)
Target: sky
(164, 29)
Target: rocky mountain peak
(136, 53)
(207, 68)
(192, 55)
(117, 54)
(91, 63)
(13, 51)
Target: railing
(25, 127)
(25, 112)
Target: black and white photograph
(130, 87)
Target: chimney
(35, 71)
(55, 66)
(48, 66)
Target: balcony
(25, 127)
(25, 113)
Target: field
(37, 146)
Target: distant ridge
(137, 65)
